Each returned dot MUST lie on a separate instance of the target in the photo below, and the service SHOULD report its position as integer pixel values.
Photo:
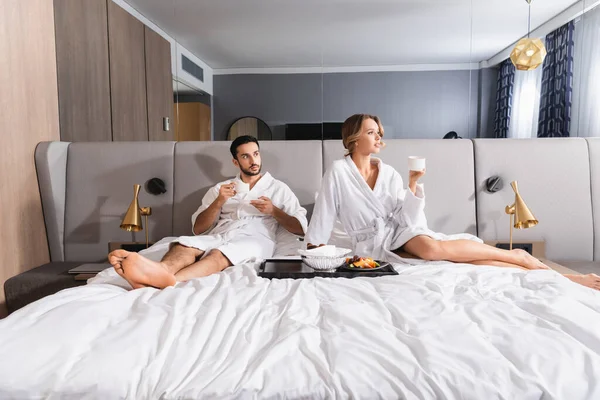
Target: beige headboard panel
(86, 187)
(51, 167)
(100, 179)
(449, 181)
(200, 165)
(594, 149)
(554, 180)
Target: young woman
(386, 221)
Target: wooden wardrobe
(114, 74)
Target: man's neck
(251, 180)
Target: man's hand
(413, 178)
(226, 192)
(264, 205)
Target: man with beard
(237, 221)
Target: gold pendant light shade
(528, 54)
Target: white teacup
(241, 187)
(416, 163)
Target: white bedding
(433, 332)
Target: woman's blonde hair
(351, 130)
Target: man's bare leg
(212, 263)
(141, 272)
(468, 251)
(179, 257)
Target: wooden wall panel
(82, 63)
(127, 75)
(192, 122)
(159, 85)
(29, 104)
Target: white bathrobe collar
(364, 186)
(265, 180)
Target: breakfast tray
(296, 269)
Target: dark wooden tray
(296, 269)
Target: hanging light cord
(529, 19)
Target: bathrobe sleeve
(207, 200)
(291, 206)
(325, 211)
(412, 205)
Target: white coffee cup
(241, 187)
(416, 163)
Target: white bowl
(325, 263)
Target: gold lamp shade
(528, 54)
(523, 217)
(132, 222)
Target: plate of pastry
(357, 263)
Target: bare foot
(139, 271)
(528, 261)
(589, 280)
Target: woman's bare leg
(494, 263)
(468, 251)
(588, 280)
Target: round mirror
(251, 126)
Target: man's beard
(249, 172)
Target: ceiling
(334, 33)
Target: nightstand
(536, 249)
(85, 271)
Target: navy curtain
(557, 83)
(506, 79)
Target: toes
(114, 260)
(119, 269)
(120, 253)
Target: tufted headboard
(554, 180)
(87, 187)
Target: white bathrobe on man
(241, 232)
(378, 220)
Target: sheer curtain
(586, 85)
(526, 104)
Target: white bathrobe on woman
(241, 231)
(379, 220)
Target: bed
(440, 331)
(435, 331)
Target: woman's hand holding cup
(416, 170)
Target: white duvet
(443, 331)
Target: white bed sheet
(443, 331)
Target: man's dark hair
(240, 141)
